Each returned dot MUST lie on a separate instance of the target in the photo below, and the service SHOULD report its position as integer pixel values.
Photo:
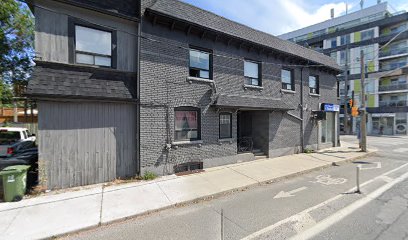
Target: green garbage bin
(14, 182)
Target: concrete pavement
(52, 215)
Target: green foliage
(149, 175)
(16, 43)
(308, 150)
(6, 94)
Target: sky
(280, 16)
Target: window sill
(314, 95)
(246, 86)
(288, 91)
(181, 143)
(196, 79)
(226, 140)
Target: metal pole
(352, 119)
(222, 224)
(25, 110)
(15, 116)
(345, 119)
(358, 180)
(363, 122)
(302, 134)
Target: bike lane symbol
(329, 180)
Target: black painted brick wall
(163, 86)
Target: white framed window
(251, 73)
(288, 82)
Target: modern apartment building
(168, 89)
(383, 36)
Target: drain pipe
(302, 135)
(139, 34)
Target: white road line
(386, 178)
(340, 215)
(295, 217)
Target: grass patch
(149, 175)
(308, 150)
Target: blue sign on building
(329, 107)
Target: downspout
(139, 34)
(302, 135)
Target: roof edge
(149, 9)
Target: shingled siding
(164, 86)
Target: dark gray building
(178, 89)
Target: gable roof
(205, 19)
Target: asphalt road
(317, 205)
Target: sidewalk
(57, 214)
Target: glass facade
(383, 125)
(327, 128)
(401, 123)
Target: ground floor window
(225, 125)
(401, 123)
(327, 128)
(383, 125)
(187, 124)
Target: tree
(6, 94)
(16, 44)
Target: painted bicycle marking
(329, 180)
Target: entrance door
(327, 129)
(244, 128)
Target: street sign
(329, 107)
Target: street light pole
(363, 132)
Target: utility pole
(345, 119)
(352, 119)
(363, 132)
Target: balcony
(392, 87)
(393, 103)
(393, 65)
(392, 52)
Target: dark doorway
(244, 128)
(253, 132)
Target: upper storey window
(345, 39)
(200, 64)
(333, 42)
(93, 46)
(251, 72)
(366, 35)
(287, 77)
